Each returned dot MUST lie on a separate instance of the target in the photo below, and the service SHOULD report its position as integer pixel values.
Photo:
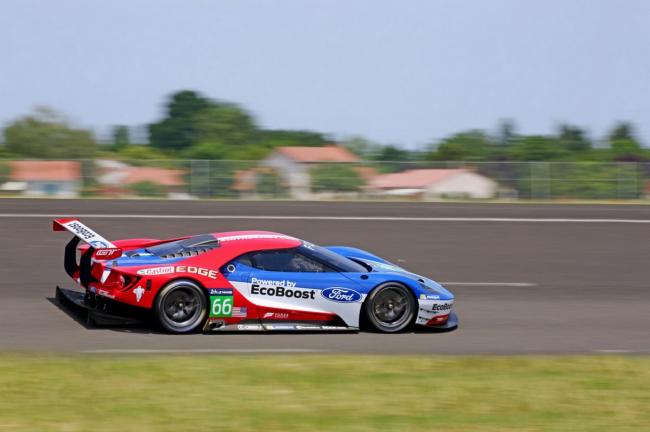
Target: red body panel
(124, 282)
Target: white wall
(294, 174)
(466, 184)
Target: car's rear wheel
(181, 306)
(390, 308)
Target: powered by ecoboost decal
(221, 302)
(279, 288)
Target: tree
(178, 130)
(281, 137)
(121, 138)
(470, 145)
(47, 134)
(623, 144)
(362, 147)
(335, 178)
(537, 148)
(573, 139)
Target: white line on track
(331, 218)
(203, 351)
(496, 284)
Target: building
(433, 184)
(117, 179)
(61, 179)
(293, 165)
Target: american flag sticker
(239, 312)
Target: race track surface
(529, 279)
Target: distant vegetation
(194, 126)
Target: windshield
(326, 256)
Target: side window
(286, 260)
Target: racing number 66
(221, 306)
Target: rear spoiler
(100, 249)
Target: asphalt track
(529, 279)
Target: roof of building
(329, 153)
(413, 179)
(160, 176)
(37, 170)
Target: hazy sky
(394, 71)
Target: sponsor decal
(281, 291)
(249, 327)
(254, 237)
(276, 315)
(220, 291)
(437, 307)
(429, 297)
(97, 244)
(105, 293)
(341, 295)
(139, 292)
(273, 283)
(155, 271)
(82, 231)
(105, 254)
(280, 327)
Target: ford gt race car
(248, 281)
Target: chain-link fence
(286, 179)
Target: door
(287, 285)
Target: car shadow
(146, 326)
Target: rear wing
(99, 249)
(82, 232)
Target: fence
(291, 180)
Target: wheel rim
(391, 307)
(181, 307)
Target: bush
(335, 178)
(147, 189)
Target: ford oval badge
(342, 295)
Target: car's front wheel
(181, 306)
(390, 308)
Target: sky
(403, 72)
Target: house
(117, 178)
(293, 165)
(433, 183)
(61, 179)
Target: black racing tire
(181, 306)
(390, 308)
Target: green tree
(121, 138)
(47, 134)
(623, 144)
(271, 138)
(147, 189)
(573, 139)
(470, 145)
(537, 148)
(178, 129)
(335, 178)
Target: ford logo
(342, 295)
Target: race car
(249, 281)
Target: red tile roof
(330, 153)
(413, 179)
(35, 170)
(160, 176)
